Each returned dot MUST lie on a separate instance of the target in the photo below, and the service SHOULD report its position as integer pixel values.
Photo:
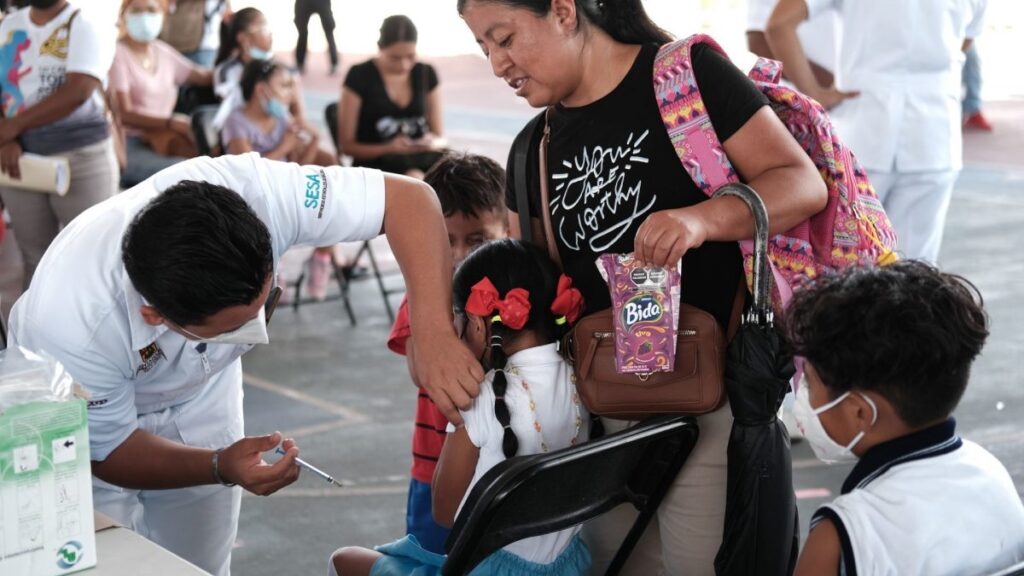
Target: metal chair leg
(296, 299)
(343, 285)
(380, 279)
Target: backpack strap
(689, 128)
(766, 70)
(685, 116)
(520, 157)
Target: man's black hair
(468, 184)
(196, 249)
(906, 331)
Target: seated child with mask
(888, 355)
(265, 125)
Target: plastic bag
(27, 376)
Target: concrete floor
(349, 402)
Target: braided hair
(511, 264)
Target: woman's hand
(665, 236)
(429, 142)
(9, 130)
(830, 97)
(180, 124)
(402, 144)
(290, 142)
(10, 154)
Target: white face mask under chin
(252, 332)
(807, 419)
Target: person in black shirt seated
(617, 186)
(390, 111)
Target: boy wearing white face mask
(144, 79)
(888, 353)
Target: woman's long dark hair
(625, 21)
(229, 32)
(395, 29)
(510, 264)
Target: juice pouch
(645, 306)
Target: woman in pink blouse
(144, 81)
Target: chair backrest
(206, 136)
(3, 328)
(532, 495)
(331, 117)
(192, 97)
(1015, 570)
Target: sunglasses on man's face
(271, 304)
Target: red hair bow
(568, 304)
(513, 310)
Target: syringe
(302, 463)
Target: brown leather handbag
(696, 386)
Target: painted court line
(347, 413)
(347, 491)
(812, 493)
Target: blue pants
(205, 57)
(143, 162)
(419, 518)
(406, 557)
(972, 81)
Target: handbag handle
(761, 309)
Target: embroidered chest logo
(595, 200)
(57, 44)
(150, 356)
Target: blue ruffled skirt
(406, 557)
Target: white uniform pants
(37, 217)
(198, 523)
(684, 536)
(917, 204)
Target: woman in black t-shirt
(616, 186)
(390, 112)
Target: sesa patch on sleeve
(316, 192)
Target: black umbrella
(760, 535)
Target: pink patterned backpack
(852, 229)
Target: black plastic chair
(192, 97)
(3, 332)
(331, 118)
(532, 495)
(206, 136)
(342, 279)
(1015, 570)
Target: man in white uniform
(896, 102)
(150, 298)
(818, 36)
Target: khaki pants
(37, 217)
(683, 538)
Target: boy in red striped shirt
(471, 189)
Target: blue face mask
(144, 26)
(259, 53)
(276, 108)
